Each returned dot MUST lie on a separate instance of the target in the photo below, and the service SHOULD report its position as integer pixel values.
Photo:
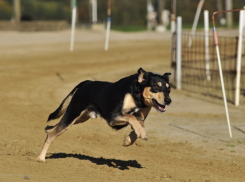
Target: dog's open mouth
(158, 106)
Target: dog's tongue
(161, 108)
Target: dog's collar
(142, 99)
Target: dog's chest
(129, 106)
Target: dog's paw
(39, 159)
(141, 134)
(127, 141)
(130, 139)
(144, 136)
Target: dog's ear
(166, 75)
(143, 76)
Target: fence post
(17, 11)
(73, 24)
(94, 11)
(194, 26)
(173, 61)
(179, 51)
(239, 57)
(206, 31)
(108, 26)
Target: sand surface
(187, 143)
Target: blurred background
(126, 15)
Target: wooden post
(229, 15)
(17, 11)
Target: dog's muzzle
(158, 107)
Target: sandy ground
(189, 142)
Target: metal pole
(108, 27)
(206, 29)
(74, 9)
(179, 51)
(239, 58)
(220, 68)
(173, 30)
(223, 90)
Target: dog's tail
(63, 106)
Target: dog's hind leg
(60, 128)
(56, 131)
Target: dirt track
(189, 142)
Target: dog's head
(156, 89)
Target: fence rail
(194, 70)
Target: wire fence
(197, 77)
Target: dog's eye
(168, 89)
(156, 87)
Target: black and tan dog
(125, 102)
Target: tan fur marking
(167, 85)
(139, 130)
(66, 103)
(84, 116)
(160, 84)
(148, 96)
(141, 77)
(50, 130)
(128, 103)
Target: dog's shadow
(120, 164)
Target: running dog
(125, 102)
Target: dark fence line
(194, 73)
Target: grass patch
(230, 145)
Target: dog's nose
(167, 100)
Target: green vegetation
(230, 145)
(129, 28)
(5, 10)
(127, 15)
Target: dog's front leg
(132, 137)
(138, 129)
